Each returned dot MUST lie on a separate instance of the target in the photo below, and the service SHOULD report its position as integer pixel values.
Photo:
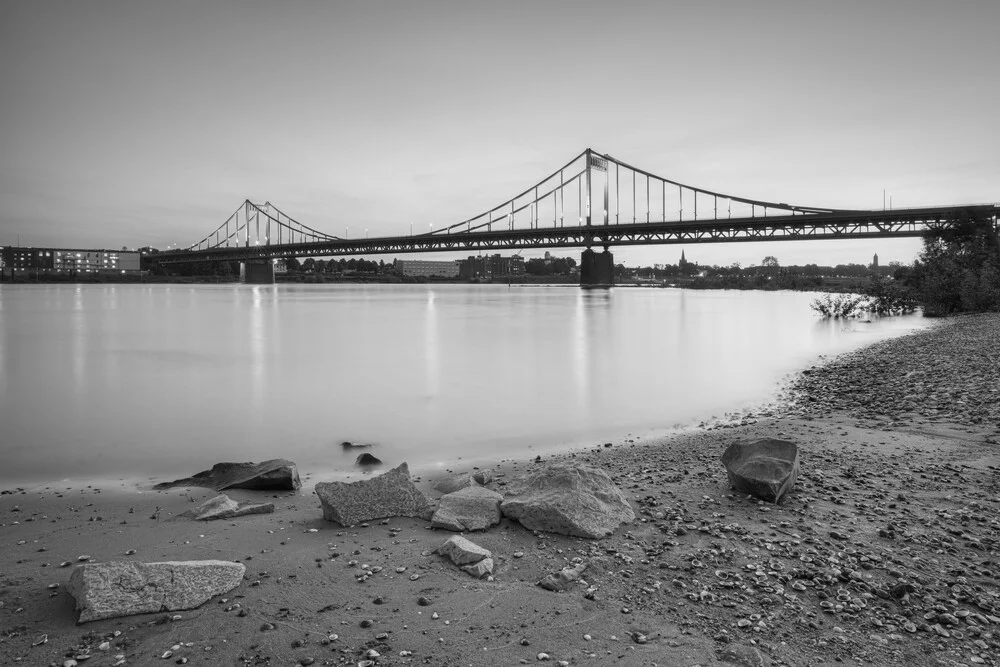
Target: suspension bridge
(632, 207)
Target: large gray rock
(471, 508)
(276, 474)
(568, 499)
(390, 494)
(224, 507)
(121, 588)
(766, 468)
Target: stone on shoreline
(766, 468)
(122, 588)
(271, 475)
(224, 507)
(562, 579)
(390, 494)
(568, 499)
(472, 558)
(471, 508)
(367, 459)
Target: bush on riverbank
(844, 305)
(881, 295)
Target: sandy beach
(885, 553)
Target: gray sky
(141, 123)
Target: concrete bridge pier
(597, 270)
(257, 272)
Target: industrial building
(491, 267)
(20, 261)
(427, 268)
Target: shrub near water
(843, 305)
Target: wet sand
(885, 553)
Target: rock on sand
(390, 494)
(471, 508)
(120, 588)
(275, 474)
(472, 558)
(568, 499)
(224, 507)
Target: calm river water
(102, 382)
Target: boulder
(766, 468)
(559, 581)
(367, 459)
(390, 494)
(471, 508)
(568, 499)
(272, 475)
(224, 507)
(123, 588)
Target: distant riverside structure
(875, 261)
(19, 261)
(490, 267)
(427, 268)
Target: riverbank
(886, 551)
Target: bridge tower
(596, 269)
(257, 272)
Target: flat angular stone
(390, 494)
(275, 474)
(483, 568)
(124, 588)
(461, 551)
(471, 508)
(223, 507)
(766, 468)
(568, 499)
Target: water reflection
(189, 376)
(432, 349)
(78, 336)
(258, 347)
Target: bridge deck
(834, 225)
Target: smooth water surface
(103, 381)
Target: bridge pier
(597, 270)
(257, 272)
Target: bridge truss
(632, 207)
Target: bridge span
(537, 217)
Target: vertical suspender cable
(647, 199)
